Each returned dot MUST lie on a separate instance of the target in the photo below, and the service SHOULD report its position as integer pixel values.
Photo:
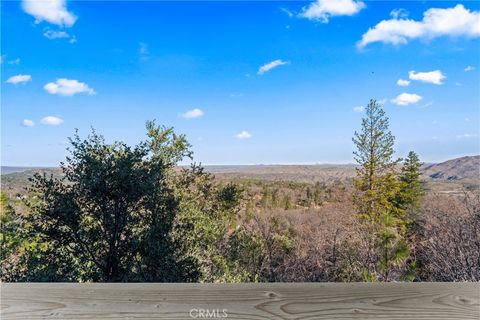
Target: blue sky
(247, 82)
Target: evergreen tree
(408, 199)
(377, 169)
(410, 184)
(377, 186)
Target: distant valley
(451, 175)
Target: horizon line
(254, 164)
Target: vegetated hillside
(449, 176)
(294, 173)
(15, 179)
(464, 168)
(460, 168)
(7, 170)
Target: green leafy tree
(12, 236)
(376, 184)
(207, 218)
(9, 224)
(121, 213)
(111, 215)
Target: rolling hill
(451, 175)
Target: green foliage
(122, 213)
(375, 173)
(410, 185)
(112, 213)
(206, 217)
(378, 190)
(9, 223)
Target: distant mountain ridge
(464, 168)
(467, 167)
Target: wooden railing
(243, 301)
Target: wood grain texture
(242, 301)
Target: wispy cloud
(51, 121)
(435, 77)
(469, 68)
(243, 135)
(359, 109)
(14, 61)
(143, 51)
(67, 87)
(406, 99)
(51, 34)
(287, 12)
(428, 104)
(323, 10)
(192, 114)
(3, 58)
(52, 11)
(403, 83)
(399, 13)
(20, 78)
(271, 65)
(28, 123)
(467, 135)
(455, 22)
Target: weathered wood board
(241, 301)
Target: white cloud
(467, 135)
(243, 135)
(322, 10)
(52, 11)
(399, 13)
(359, 109)
(51, 121)
(51, 34)
(20, 78)
(66, 87)
(405, 99)
(467, 119)
(455, 22)
(192, 114)
(271, 65)
(28, 123)
(435, 77)
(469, 68)
(403, 83)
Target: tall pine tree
(410, 184)
(377, 186)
